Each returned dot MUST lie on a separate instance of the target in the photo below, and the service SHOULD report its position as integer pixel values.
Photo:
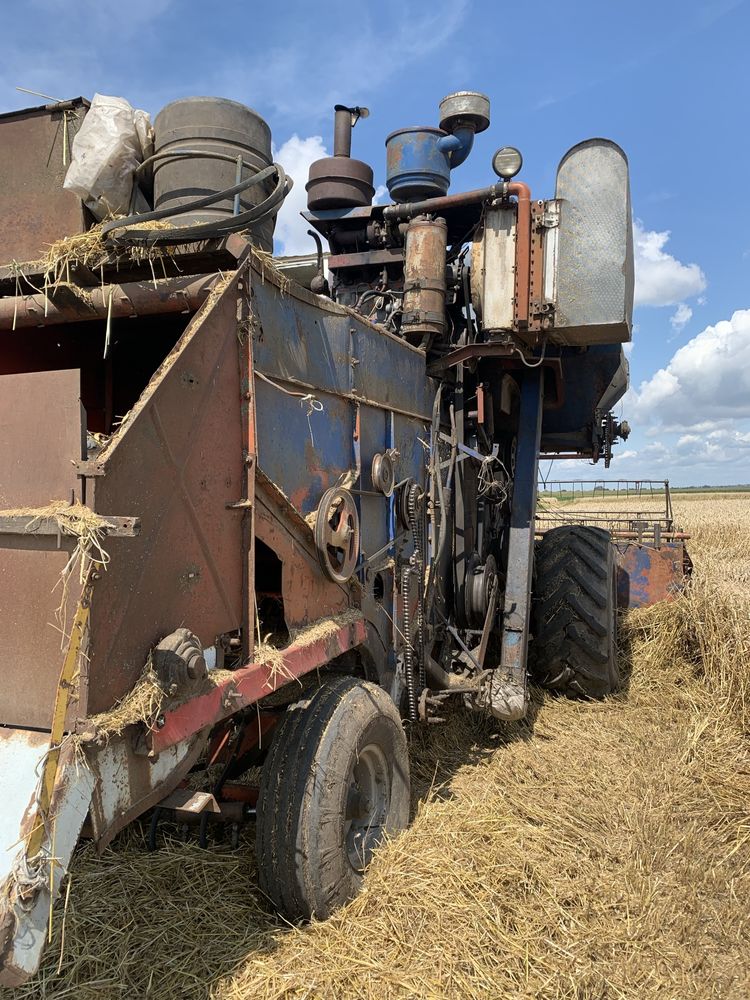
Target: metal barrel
(212, 124)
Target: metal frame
(635, 524)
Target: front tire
(574, 613)
(336, 780)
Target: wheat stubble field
(593, 851)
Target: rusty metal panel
(40, 439)
(177, 463)
(251, 683)
(34, 209)
(647, 575)
(307, 592)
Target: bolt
(161, 722)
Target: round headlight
(507, 162)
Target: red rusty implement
(647, 575)
(251, 683)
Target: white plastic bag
(113, 139)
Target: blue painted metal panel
(339, 360)
(316, 344)
(585, 377)
(303, 459)
(391, 372)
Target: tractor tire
(336, 780)
(574, 613)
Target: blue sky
(667, 80)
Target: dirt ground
(596, 850)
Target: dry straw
(595, 851)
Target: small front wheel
(336, 780)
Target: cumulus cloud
(707, 380)
(681, 317)
(661, 279)
(295, 156)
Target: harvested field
(593, 851)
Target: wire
(537, 363)
(314, 405)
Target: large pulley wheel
(334, 784)
(337, 534)
(478, 588)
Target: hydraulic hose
(210, 230)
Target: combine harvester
(257, 512)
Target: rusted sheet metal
(40, 439)
(128, 783)
(251, 683)
(34, 209)
(306, 592)
(177, 463)
(647, 575)
(111, 783)
(181, 294)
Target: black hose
(210, 230)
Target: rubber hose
(212, 230)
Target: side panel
(493, 269)
(177, 464)
(40, 439)
(34, 209)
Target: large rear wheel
(574, 613)
(336, 780)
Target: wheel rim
(367, 805)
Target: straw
(594, 851)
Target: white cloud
(661, 279)
(681, 317)
(347, 58)
(707, 380)
(295, 156)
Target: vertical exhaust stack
(338, 181)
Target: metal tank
(212, 125)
